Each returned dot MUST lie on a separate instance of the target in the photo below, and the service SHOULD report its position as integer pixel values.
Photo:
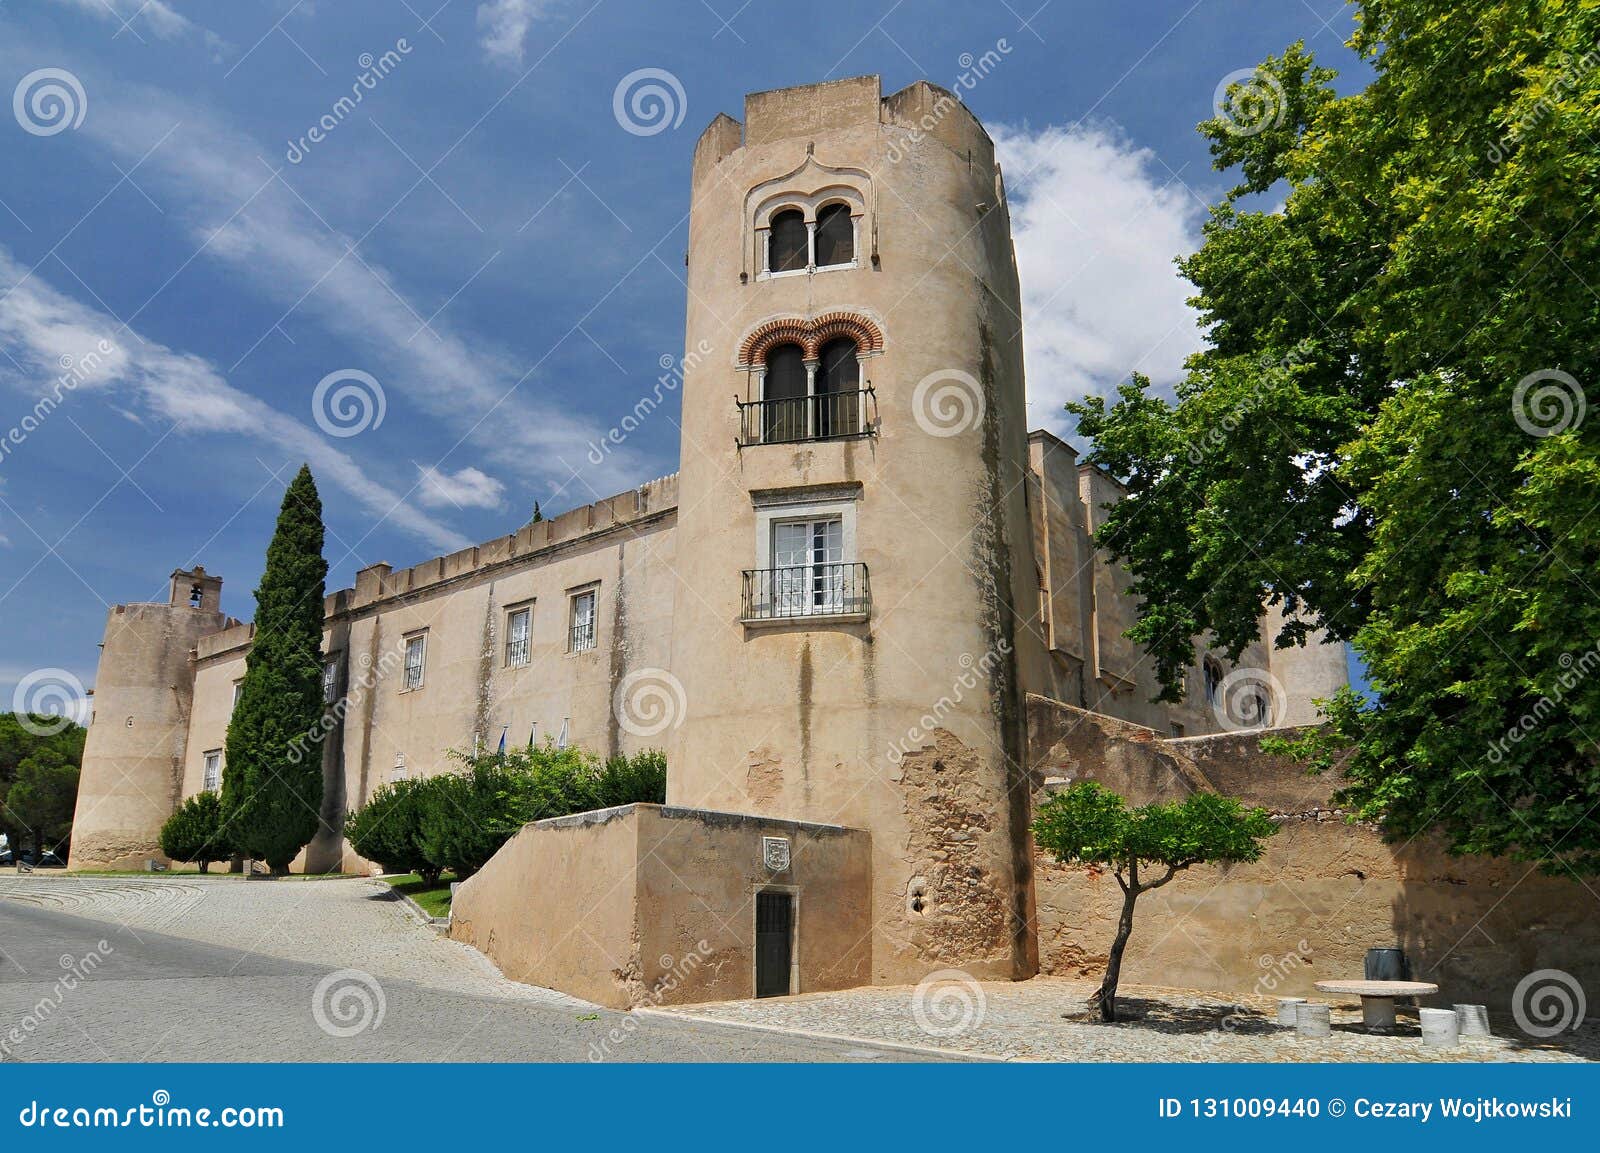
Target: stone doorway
(774, 943)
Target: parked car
(44, 860)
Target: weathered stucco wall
(649, 905)
(378, 730)
(133, 756)
(1324, 893)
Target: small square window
(519, 637)
(580, 635)
(211, 776)
(416, 655)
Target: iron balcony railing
(823, 416)
(580, 637)
(806, 590)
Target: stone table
(1377, 997)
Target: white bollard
(1286, 1007)
(1312, 1020)
(1439, 1028)
(1473, 1020)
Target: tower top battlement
(922, 110)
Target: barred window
(330, 681)
(211, 776)
(581, 635)
(518, 637)
(416, 653)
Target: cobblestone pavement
(1048, 1018)
(223, 969)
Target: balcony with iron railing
(807, 592)
(821, 416)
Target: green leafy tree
(194, 832)
(42, 799)
(1386, 431)
(39, 759)
(272, 789)
(537, 515)
(1086, 824)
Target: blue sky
(484, 245)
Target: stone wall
(653, 905)
(1324, 893)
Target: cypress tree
(272, 783)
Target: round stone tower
(852, 621)
(133, 756)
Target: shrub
(639, 778)
(194, 832)
(388, 830)
(459, 819)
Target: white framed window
(211, 774)
(519, 636)
(416, 658)
(330, 680)
(398, 773)
(581, 627)
(807, 566)
(238, 690)
(564, 738)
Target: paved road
(76, 988)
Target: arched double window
(811, 400)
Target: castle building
(838, 619)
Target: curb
(819, 1035)
(437, 924)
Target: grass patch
(435, 899)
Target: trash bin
(1387, 965)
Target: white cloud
(44, 332)
(1097, 223)
(152, 16)
(505, 25)
(465, 488)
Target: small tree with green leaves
(194, 831)
(1086, 824)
